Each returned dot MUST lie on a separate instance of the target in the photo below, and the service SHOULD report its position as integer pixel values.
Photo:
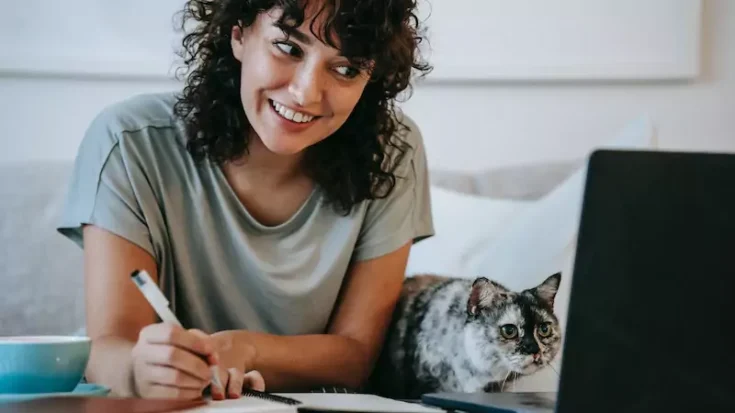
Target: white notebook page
(243, 405)
(362, 403)
(358, 403)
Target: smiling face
(295, 90)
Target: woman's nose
(307, 86)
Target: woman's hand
(235, 369)
(173, 363)
(234, 381)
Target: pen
(155, 297)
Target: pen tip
(134, 273)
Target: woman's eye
(509, 331)
(544, 330)
(289, 48)
(348, 71)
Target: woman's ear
(237, 42)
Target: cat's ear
(483, 293)
(546, 291)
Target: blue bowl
(42, 364)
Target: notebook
(252, 401)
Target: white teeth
(290, 114)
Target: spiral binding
(270, 397)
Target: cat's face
(516, 329)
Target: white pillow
(461, 221)
(541, 241)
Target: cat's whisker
(502, 384)
(555, 371)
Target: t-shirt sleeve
(405, 214)
(104, 189)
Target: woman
(274, 201)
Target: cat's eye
(509, 331)
(544, 330)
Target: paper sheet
(362, 403)
(243, 405)
(358, 403)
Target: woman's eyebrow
(296, 33)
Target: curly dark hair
(352, 164)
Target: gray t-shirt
(219, 267)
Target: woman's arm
(132, 354)
(115, 310)
(117, 313)
(344, 356)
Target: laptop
(651, 320)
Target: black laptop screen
(651, 322)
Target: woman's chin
(282, 145)
(285, 150)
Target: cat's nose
(530, 347)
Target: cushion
(461, 222)
(520, 182)
(540, 241)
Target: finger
(176, 336)
(158, 391)
(234, 383)
(217, 392)
(213, 357)
(169, 376)
(165, 355)
(254, 380)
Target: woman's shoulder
(137, 112)
(410, 132)
(133, 121)
(407, 147)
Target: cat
(463, 335)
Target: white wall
(480, 125)
(466, 126)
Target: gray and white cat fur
(464, 335)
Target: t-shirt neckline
(295, 220)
